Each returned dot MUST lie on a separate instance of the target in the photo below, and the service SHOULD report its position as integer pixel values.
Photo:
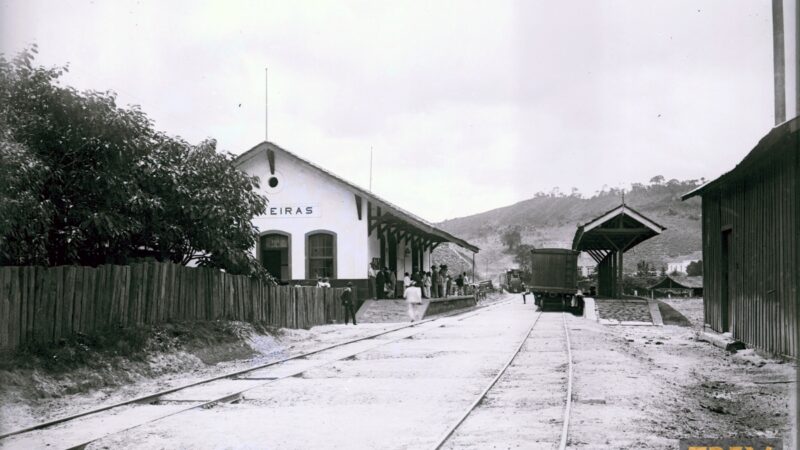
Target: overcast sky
(468, 105)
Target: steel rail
(568, 406)
(230, 397)
(233, 375)
(494, 381)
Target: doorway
(275, 255)
(726, 279)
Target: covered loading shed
(692, 286)
(751, 244)
(607, 238)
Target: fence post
(6, 327)
(68, 300)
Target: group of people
(433, 284)
(418, 286)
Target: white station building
(320, 225)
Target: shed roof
(395, 211)
(618, 229)
(679, 282)
(763, 149)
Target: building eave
(761, 150)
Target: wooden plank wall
(46, 304)
(762, 212)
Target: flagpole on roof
(370, 168)
(266, 105)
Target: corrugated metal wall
(762, 213)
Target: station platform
(396, 310)
(627, 311)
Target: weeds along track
(528, 403)
(79, 430)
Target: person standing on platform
(460, 285)
(443, 281)
(426, 285)
(347, 302)
(449, 287)
(380, 284)
(413, 296)
(371, 275)
(392, 284)
(435, 282)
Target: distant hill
(550, 220)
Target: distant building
(751, 218)
(678, 286)
(678, 266)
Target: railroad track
(75, 431)
(529, 407)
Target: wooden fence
(45, 304)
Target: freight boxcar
(554, 279)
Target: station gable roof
(393, 213)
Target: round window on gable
(273, 183)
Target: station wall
(304, 201)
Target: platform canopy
(607, 237)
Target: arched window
(321, 254)
(275, 254)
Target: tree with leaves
(695, 268)
(87, 182)
(524, 259)
(511, 238)
(643, 268)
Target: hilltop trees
(87, 182)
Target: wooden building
(751, 244)
(751, 217)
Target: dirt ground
(647, 387)
(30, 395)
(641, 387)
(35, 392)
